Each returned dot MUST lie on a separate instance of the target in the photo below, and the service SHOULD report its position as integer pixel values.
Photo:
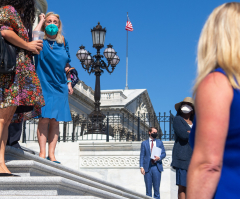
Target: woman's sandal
(53, 161)
(8, 175)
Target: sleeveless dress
(21, 88)
(50, 67)
(228, 186)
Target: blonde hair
(219, 44)
(59, 38)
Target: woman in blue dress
(214, 170)
(50, 67)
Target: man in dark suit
(152, 168)
(14, 135)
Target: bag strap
(63, 41)
(69, 70)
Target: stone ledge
(12, 153)
(36, 169)
(48, 186)
(123, 146)
(49, 197)
(116, 162)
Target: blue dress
(50, 68)
(228, 184)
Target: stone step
(40, 166)
(27, 168)
(49, 197)
(48, 186)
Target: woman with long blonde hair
(50, 67)
(214, 170)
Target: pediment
(141, 105)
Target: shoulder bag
(73, 72)
(7, 56)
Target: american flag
(128, 25)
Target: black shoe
(8, 175)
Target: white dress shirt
(150, 143)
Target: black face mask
(154, 135)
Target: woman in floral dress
(20, 92)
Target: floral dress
(21, 88)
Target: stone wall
(115, 162)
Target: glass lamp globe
(98, 36)
(109, 52)
(82, 53)
(88, 60)
(115, 60)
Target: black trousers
(14, 134)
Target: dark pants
(14, 134)
(152, 179)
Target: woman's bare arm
(13, 38)
(213, 101)
(41, 22)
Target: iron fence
(118, 127)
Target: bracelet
(69, 81)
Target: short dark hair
(151, 128)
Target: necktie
(152, 161)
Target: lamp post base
(96, 126)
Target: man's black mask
(154, 135)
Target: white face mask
(186, 108)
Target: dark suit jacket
(182, 150)
(145, 155)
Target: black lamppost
(95, 65)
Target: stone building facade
(41, 7)
(129, 111)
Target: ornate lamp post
(96, 65)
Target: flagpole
(126, 88)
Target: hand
(35, 46)
(156, 158)
(142, 171)
(188, 131)
(70, 89)
(42, 17)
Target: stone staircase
(42, 178)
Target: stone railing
(85, 89)
(105, 95)
(112, 95)
(116, 155)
